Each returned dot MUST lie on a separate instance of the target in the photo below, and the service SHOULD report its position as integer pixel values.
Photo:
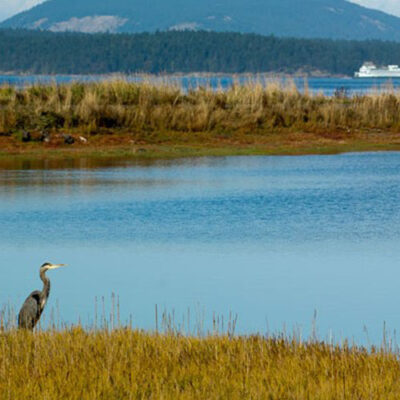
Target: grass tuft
(108, 360)
(127, 364)
(151, 107)
(151, 120)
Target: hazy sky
(10, 7)
(389, 6)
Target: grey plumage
(30, 312)
(34, 305)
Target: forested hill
(333, 19)
(41, 52)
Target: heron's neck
(46, 286)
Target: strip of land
(145, 121)
(111, 150)
(122, 146)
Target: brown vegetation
(269, 119)
(127, 364)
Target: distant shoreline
(269, 75)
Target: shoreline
(102, 150)
(194, 74)
(144, 121)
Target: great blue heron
(34, 305)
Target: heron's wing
(30, 311)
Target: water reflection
(19, 163)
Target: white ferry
(370, 70)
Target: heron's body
(31, 311)
(33, 306)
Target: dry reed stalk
(144, 107)
(116, 362)
(128, 364)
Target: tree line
(43, 52)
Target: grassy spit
(148, 120)
(128, 364)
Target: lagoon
(271, 239)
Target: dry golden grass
(119, 119)
(149, 107)
(128, 364)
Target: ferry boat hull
(369, 70)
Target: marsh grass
(113, 361)
(150, 108)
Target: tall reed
(129, 364)
(113, 361)
(147, 107)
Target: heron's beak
(55, 266)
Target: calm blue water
(269, 238)
(328, 86)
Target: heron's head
(46, 266)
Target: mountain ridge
(336, 19)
